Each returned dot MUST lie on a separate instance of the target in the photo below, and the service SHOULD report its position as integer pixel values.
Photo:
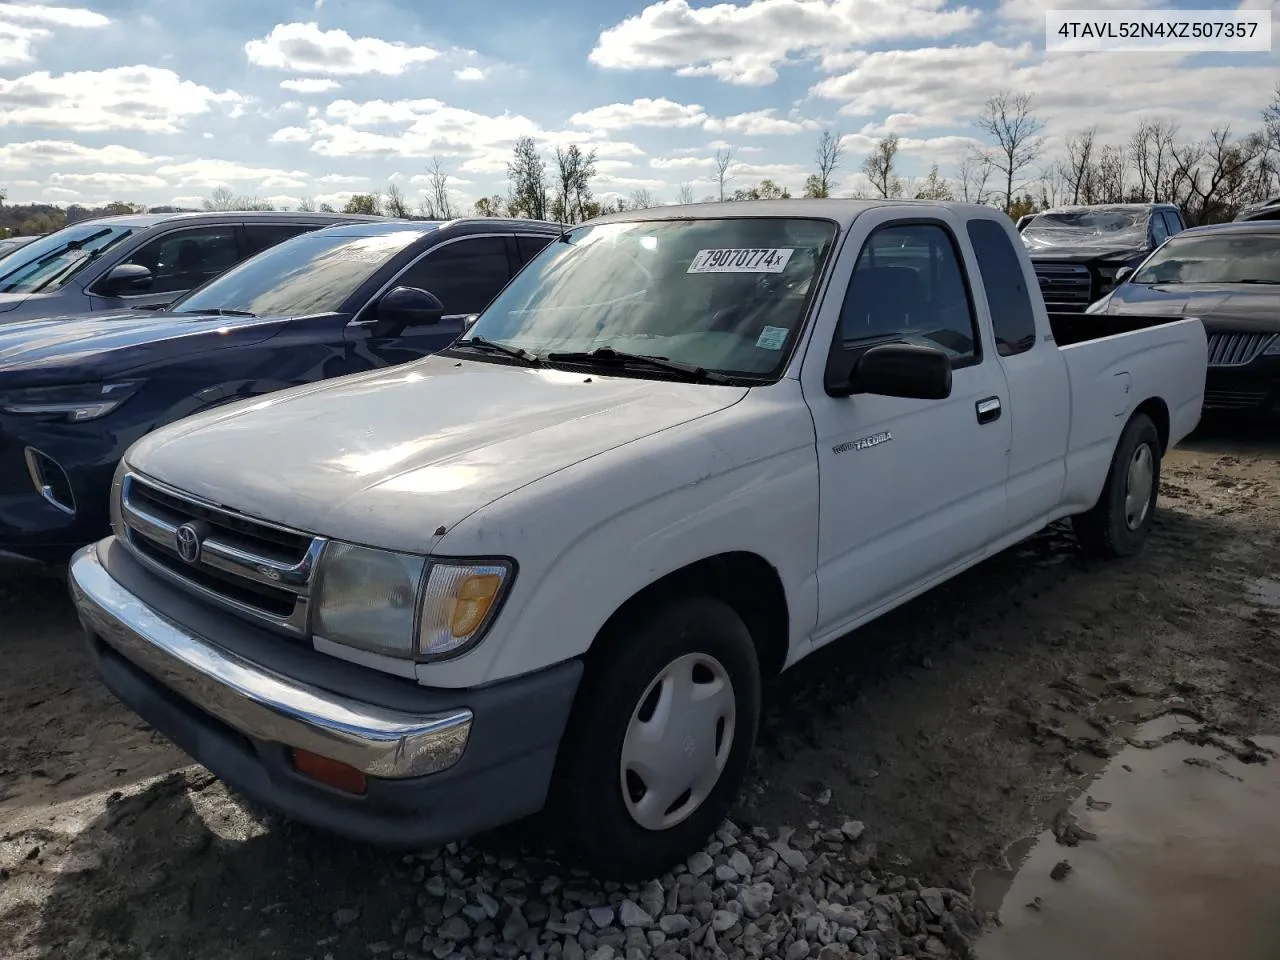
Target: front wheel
(659, 740)
(1118, 525)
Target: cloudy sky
(161, 101)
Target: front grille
(1065, 283)
(1234, 399)
(259, 570)
(1236, 349)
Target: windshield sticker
(772, 338)
(747, 260)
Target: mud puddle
(1172, 852)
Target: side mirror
(404, 307)
(125, 279)
(898, 370)
(1123, 274)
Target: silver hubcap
(1137, 491)
(678, 741)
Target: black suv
(1079, 252)
(76, 392)
(143, 260)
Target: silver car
(142, 260)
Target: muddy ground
(955, 728)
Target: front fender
(588, 539)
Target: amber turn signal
(329, 772)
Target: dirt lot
(953, 728)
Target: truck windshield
(1102, 226)
(308, 274)
(725, 295)
(46, 264)
(1221, 258)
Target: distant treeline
(25, 219)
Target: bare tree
(642, 199)
(1151, 149)
(975, 172)
(820, 184)
(879, 167)
(1077, 167)
(1110, 176)
(395, 204)
(306, 205)
(435, 203)
(685, 193)
(934, 187)
(1007, 119)
(1212, 179)
(220, 199)
(724, 161)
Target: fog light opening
(331, 773)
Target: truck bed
(1071, 328)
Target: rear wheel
(1119, 523)
(659, 740)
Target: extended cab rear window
(1012, 317)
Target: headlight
(1273, 348)
(78, 402)
(404, 606)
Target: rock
(824, 797)
(537, 912)
(488, 904)
(605, 952)
(756, 899)
(344, 916)
(932, 899)
(452, 906)
(726, 873)
(853, 830)
(741, 862)
(515, 926)
(674, 924)
(572, 951)
(1060, 870)
(436, 885)
(798, 950)
(793, 858)
(722, 920)
(699, 863)
(935, 947)
(631, 914)
(601, 916)
(454, 928)
(833, 951)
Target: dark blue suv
(75, 392)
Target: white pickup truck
(551, 566)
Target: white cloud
(746, 43)
(469, 73)
(310, 85)
(305, 48)
(340, 178)
(110, 182)
(187, 201)
(944, 88)
(291, 135)
(22, 24)
(59, 193)
(221, 173)
(642, 112)
(681, 163)
(140, 98)
(46, 153)
(757, 123)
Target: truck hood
(1083, 252)
(1224, 307)
(394, 458)
(91, 346)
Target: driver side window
(464, 274)
(908, 285)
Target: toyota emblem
(187, 540)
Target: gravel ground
(896, 772)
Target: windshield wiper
(621, 358)
(493, 346)
(217, 312)
(1257, 280)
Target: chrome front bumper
(259, 703)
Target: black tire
(588, 813)
(1105, 531)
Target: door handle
(988, 409)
